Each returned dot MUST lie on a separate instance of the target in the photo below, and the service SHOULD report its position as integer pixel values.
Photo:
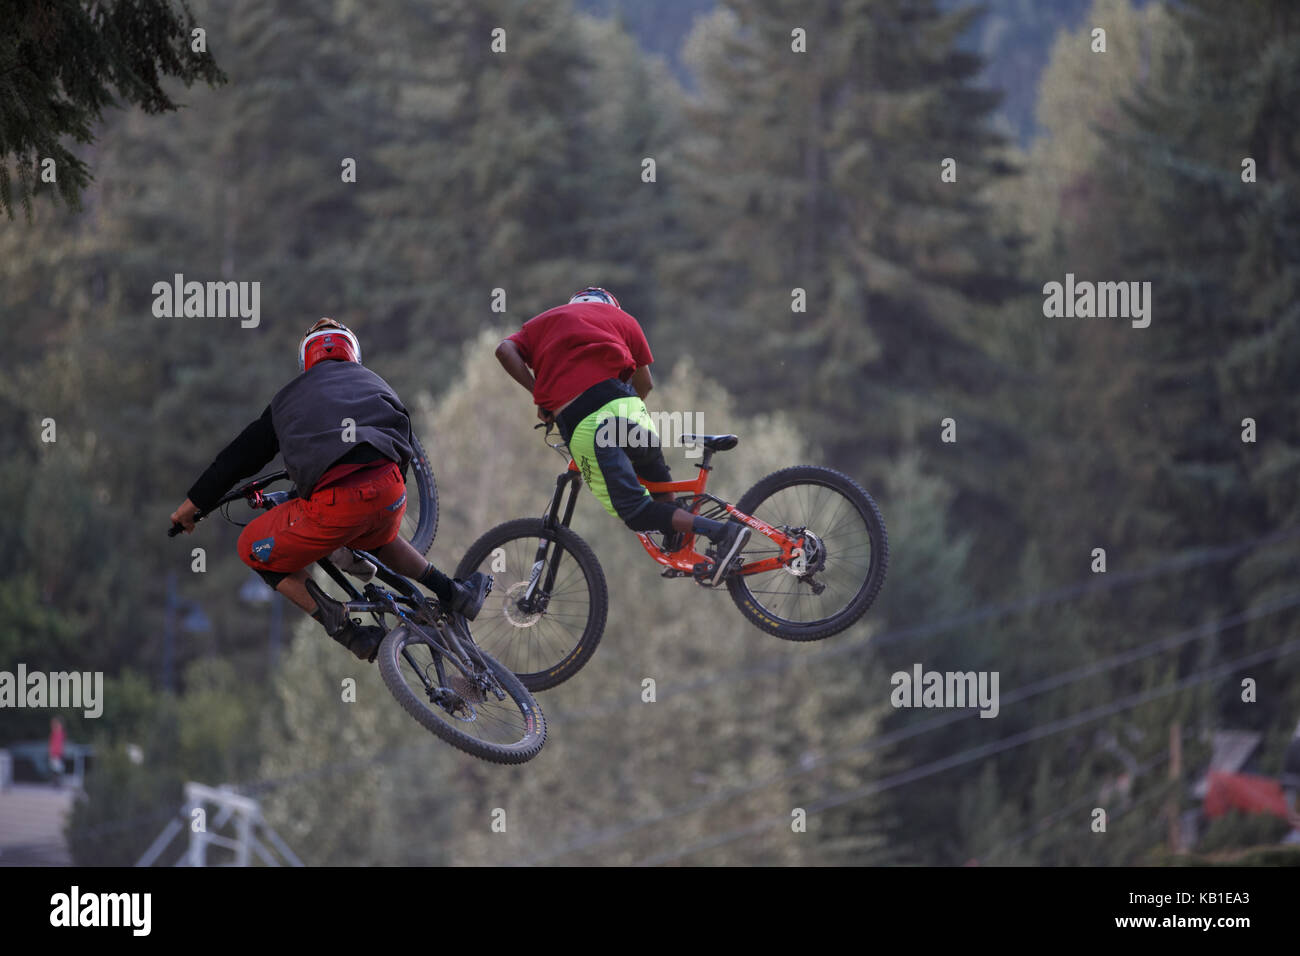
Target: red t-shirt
(572, 347)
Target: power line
(1057, 595)
(1063, 813)
(937, 722)
(985, 750)
(1083, 588)
(1123, 811)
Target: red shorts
(364, 511)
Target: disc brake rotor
(513, 614)
(811, 560)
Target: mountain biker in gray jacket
(346, 440)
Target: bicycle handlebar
(243, 491)
(561, 447)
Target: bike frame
(685, 561)
(427, 617)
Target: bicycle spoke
(844, 539)
(483, 716)
(529, 642)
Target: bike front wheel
(545, 637)
(846, 554)
(478, 706)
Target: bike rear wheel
(548, 641)
(849, 554)
(482, 709)
(420, 522)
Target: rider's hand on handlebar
(184, 515)
(546, 416)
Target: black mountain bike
(427, 659)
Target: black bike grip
(176, 528)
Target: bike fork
(572, 480)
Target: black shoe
(333, 615)
(361, 639)
(467, 596)
(729, 543)
(672, 541)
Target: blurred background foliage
(774, 171)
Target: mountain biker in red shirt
(345, 438)
(587, 366)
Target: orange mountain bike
(813, 565)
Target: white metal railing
(206, 812)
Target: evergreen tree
(1222, 145)
(514, 165)
(822, 172)
(63, 62)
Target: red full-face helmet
(328, 339)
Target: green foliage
(822, 172)
(1136, 433)
(775, 170)
(63, 62)
(147, 745)
(1237, 829)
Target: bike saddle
(713, 442)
